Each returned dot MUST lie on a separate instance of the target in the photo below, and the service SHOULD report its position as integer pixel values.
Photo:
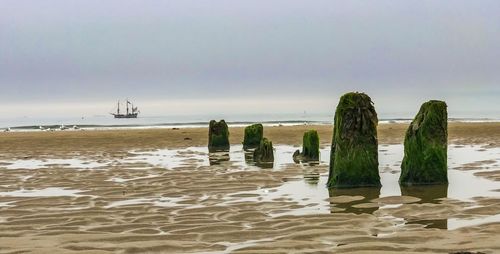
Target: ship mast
(118, 110)
(127, 106)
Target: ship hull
(125, 116)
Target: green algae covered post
(264, 152)
(218, 136)
(253, 135)
(426, 145)
(354, 152)
(310, 149)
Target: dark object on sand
(253, 135)
(310, 147)
(354, 154)
(426, 145)
(428, 194)
(264, 152)
(218, 136)
(467, 252)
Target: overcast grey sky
(172, 57)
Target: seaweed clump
(426, 145)
(218, 136)
(253, 135)
(310, 147)
(264, 152)
(354, 151)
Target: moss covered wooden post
(218, 136)
(253, 135)
(310, 147)
(264, 152)
(354, 152)
(426, 142)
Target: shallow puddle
(123, 180)
(313, 197)
(47, 192)
(236, 158)
(73, 163)
(304, 194)
(161, 202)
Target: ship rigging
(131, 111)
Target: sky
(68, 58)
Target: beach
(126, 139)
(158, 190)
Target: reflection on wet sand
(249, 157)
(264, 165)
(218, 158)
(439, 224)
(310, 163)
(427, 194)
(249, 160)
(299, 160)
(311, 178)
(368, 193)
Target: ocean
(185, 121)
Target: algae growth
(310, 147)
(253, 135)
(426, 145)
(264, 152)
(354, 151)
(218, 136)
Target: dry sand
(198, 208)
(112, 141)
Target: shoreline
(487, 134)
(203, 124)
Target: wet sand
(102, 196)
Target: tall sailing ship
(131, 112)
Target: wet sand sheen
(138, 199)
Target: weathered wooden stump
(426, 146)
(354, 152)
(218, 136)
(253, 135)
(310, 147)
(264, 152)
